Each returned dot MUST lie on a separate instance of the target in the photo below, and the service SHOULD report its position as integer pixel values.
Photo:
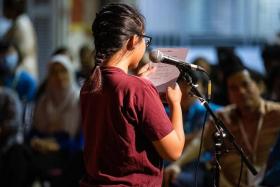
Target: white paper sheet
(165, 74)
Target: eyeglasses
(147, 39)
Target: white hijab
(62, 115)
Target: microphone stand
(221, 131)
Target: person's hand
(173, 95)
(146, 70)
(44, 145)
(170, 173)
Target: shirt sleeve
(153, 118)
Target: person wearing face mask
(11, 139)
(22, 33)
(10, 76)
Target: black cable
(203, 128)
(200, 148)
(186, 74)
(240, 175)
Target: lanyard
(252, 148)
(252, 180)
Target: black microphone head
(156, 56)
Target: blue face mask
(9, 62)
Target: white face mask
(10, 62)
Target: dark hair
(270, 52)
(234, 66)
(198, 59)
(256, 76)
(18, 5)
(84, 49)
(63, 50)
(112, 27)
(60, 50)
(273, 76)
(5, 45)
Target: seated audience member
(204, 63)
(86, 55)
(22, 34)
(55, 137)
(12, 171)
(63, 50)
(193, 111)
(11, 76)
(274, 79)
(253, 121)
(271, 59)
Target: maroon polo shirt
(119, 125)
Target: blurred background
(199, 25)
(46, 54)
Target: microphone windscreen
(156, 56)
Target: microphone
(156, 56)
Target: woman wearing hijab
(55, 138)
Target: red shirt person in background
(127, 132)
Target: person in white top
(22, 34)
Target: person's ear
(132, 42)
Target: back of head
(227, 57)
(18, 6)
(112, 27)
(86, 57)
(203, 62)
(84, 51)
